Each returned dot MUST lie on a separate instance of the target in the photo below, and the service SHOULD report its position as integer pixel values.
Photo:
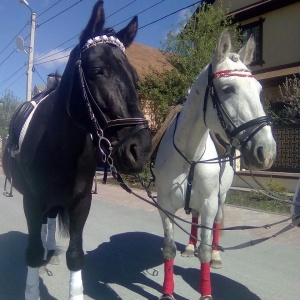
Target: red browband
(228, 73)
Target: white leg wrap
(32, 291)
(76, 288)
(51, 243)
(44, 238)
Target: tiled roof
(142, 57)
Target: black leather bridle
(94, 110)
(257, 123)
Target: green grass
(251, 199)
(256, 200)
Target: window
(255, 28)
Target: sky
(59, 22)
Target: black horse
(51, 158)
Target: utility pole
(30, 52)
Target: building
(38, 88)
(275, 25)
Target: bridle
(256, 124)
(105, 146)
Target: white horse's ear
(223, 47)
(246, 53)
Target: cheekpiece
(103, 39)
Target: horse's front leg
(208, 213)
(169, 253)
(35, 250)
(190, 248)
(75, 255)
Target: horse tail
(63, 222)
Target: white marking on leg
(51, 243)
(44, 238)
(76, 288)
(32, 291)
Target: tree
(290, 100)
(8, 105)
(188, 50)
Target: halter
(259, 122)
(105, 146)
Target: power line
(40, 14)
(35, 70)
(120, 9)
(44, 57)
(43, 54)
(139, 12)
(9, 55)
(14, 82)
(9, 77)
(60, 13)
(13, 38)
(169, 15)
(54, 59)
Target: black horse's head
(106, 83)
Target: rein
(105, 146)
(295, 219)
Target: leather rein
(105, 146)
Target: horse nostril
(133, 151)
(260, 154)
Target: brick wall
(288, 148)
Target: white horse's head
(235, 96)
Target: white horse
(224, 99)
(226, 178)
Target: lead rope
(295, 219)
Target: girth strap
(189, 188)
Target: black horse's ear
(95, 24)
(127, 34)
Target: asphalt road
(123, 259)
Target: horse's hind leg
(52, 255)
(190, 248)
(75, 255)
(35, 249)
(48, 239)
(216, 262)
(169, 253)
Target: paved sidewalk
(234, 216)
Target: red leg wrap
(194, 232)
(205, 286)
(216, 236)
(168, 287)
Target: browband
(103, 39)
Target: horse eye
(98, 71)
(228, 89)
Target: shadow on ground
(133, 257)
(13, 269)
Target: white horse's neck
(191, 132)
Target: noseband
(257, 123)
(105, 145)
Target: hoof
(52, 257)
(42, 270)
(167, 297)
(189, 251)
(208, 297)
(216, 262)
